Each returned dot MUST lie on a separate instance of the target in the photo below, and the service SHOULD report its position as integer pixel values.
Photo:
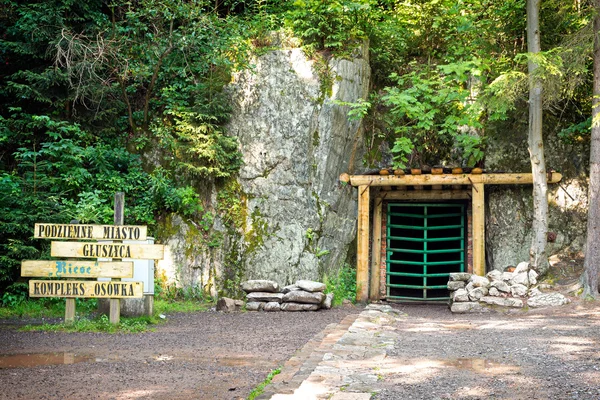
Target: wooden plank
(447, 179)
(376, 251)
(478, 229)
(426, 195)
(85, 289)
(362, 257)
(107, 250)
(76, 269)
(82, 231)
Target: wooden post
(115, 304)
(376, 251)
(362, 257)
(478, 229)
(70, 303)
(70, 311)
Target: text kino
(107, 250)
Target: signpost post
(74, 268)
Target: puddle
(480, 365)
(39, 359)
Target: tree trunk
(592, 254)
(537, 253)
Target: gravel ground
(205, 355)
(545, 354)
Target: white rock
(260, 285)
(534, 292)
(532, 275)
(272, 306)
(501, 286)
(518, 290)
(300, 296)
(468, 307)
(328, 301)
(299, 307)
(522, 267)
(503, 301)
(478, 293)
(494, 292)
(494, 275)
(255, 305)
(264, 296)
(289, 288)
(469, 286)
(459, 276)
(548, 300)
(460, 295)
(507, 276)
(455, 285)
(479, 281)
(311, 286)
(520, 279)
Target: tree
(537, 253)
(592, 254)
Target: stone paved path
(342, 362)
(428, 353)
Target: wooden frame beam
(478, 207)
(425, 195)
(446, 179)
(362, 256)
(376, 250)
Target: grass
(179, 306)
(45, 308)
(261, 388)
(100, 324)
(85, 319)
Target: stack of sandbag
(302, 296)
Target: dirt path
(546, 354)
(194, 356)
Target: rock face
(295, 143)
(296, 220)
(509, 208)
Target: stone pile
(473, 293)
(264, 295)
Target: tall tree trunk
(537, 253)
(592, 254)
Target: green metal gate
(425, 242)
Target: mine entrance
(425, 243)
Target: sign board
(83, 231)
(77, 269)
(107, 250)
(85, 289)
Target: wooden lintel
(362, 256)
(478, 229)
(447, 179)
(376, 251)
(426, 195)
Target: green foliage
(15, 295)
(330, 24)
(403, 148)
(99, 324)
(166, 307)
(429, 107)
(343, 286)
(257, 391)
